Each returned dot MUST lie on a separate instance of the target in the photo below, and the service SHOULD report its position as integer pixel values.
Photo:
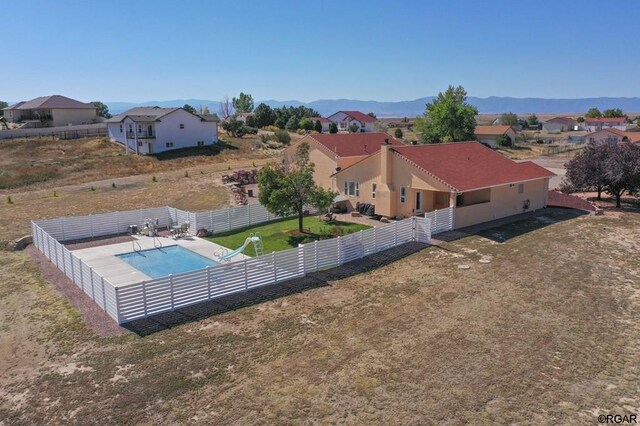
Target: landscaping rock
(203, 233)
(23, 242)
(464, 267)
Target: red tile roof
(360, 116)
(465, 166)
(322, 119)
(354, 144)
(606, 120)
(491, 130)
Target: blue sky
(369, 50)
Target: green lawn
(276, 237)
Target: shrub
(301, 131)
(154, 179)
(504, 140)
(113, 185)
(333, 128)
(186, 173)
(354, 128)
(271, 128)
(55, 194)
(282, 136)
(93, 188)
(306, 124)
(398, 133)
(9, 200)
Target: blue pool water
(161, 262)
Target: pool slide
(240, 249)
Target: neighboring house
(51, 111)
(479, 183)
(150, 130)
(595, 124)
(330, 152)
(612, 136)
(345, 119)
(324, 121)
(489, 134)
(559, 124)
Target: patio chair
(184, 229)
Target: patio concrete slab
(104, 260)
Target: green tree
(508, 119)
(398, 134)
(638, 120)
(354, 128)
(503, 140)
(593, 113)
(292, 123)
(286, 190)
(306, 123)
(243, 103)
(189, 108)
(251, 121)
(613, 112)
(333, 128)
(371, 114)
(233, 127)
(532, 120)
(102, 109)
(322, 199)
(448, 118)
(317, 126)
(580, 119)
(3, 104)
(264, 115)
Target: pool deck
(104, 261)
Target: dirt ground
(547, 332)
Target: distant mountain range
(490, 105)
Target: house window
(130, 128)
(352, 189)
(182, 126)
(121, 128)
(520, 188)
(200, 143)
(139, 128)
(403, 194)
(169, 144)
(373, 190)
(139, 143)
(459, 200)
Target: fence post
(211, 217)
(117, 305)
(375, 240)
(246, 275)
(63, 235)
(91, 222)
(395, 233)
(104, 294)
(118, 221)
(301, 258)
(249, 213)
(315, 251)
(275, 269)
(209, 282)
(144, 297)
(414, 236)
(229, 218)
(361, 245)
(339, 251)
(171, 291)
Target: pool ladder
(134, 243)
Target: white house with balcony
(150, 130)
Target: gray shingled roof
(146, 114)
(142, 114)
(52, 102)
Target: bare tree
(226, 109)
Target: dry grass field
(547, 332)
(94, 176)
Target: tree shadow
(147, 326)
(196, 151)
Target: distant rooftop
(51, 102)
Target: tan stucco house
(612, 136)
(331, 152)
(480, 184)
(51, 111)
(489, 134)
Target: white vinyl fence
(140, 300)
(99, 289)
(441, 220)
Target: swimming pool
(162, 262)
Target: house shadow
(163, 321)
(502, 230)
(195, 151)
